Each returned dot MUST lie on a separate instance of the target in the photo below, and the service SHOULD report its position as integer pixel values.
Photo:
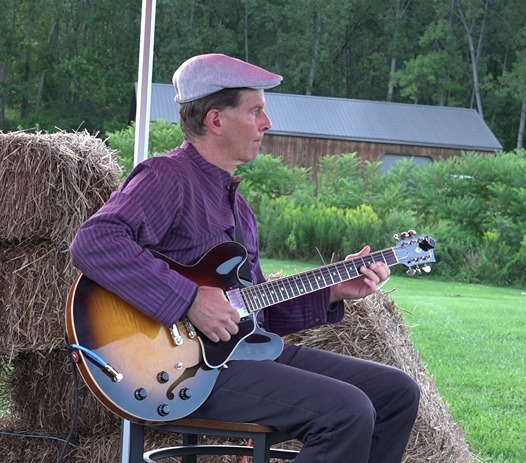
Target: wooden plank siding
(306, 151)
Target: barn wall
(306, 152)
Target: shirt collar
(211, 169)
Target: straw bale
(19, 445)
(51, 183)
(41, 396)
(374, 329)
(35, 278)
(22, 445)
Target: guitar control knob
(185, 393)
(163, 409)
(141, 393)
(163, 377)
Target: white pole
(144, 85)
(142, 129)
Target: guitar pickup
(235, 298)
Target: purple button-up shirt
(180, 205)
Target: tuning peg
(426, 268)
(412, 233)
(404, 235)
(411, 272)
(396, 237)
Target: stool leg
(261, 448)
(132, 442)
(189, 439)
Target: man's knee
(357, 409)
(405, 390)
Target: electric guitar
(146, 372)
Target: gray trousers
(342, 409)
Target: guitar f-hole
(188, 373)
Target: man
(182, 204)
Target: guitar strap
(244, 270)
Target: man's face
(244, 127)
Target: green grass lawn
(472, 339)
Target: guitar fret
(272, 292)
(347, 271)
(319, 278)
(284, 292)
(299, 285)
(250, 303)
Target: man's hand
(213, 315)
(365, 284)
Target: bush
(266, 176)
(473, 205)
(163, 137)
(345, 181)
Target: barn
(304, 128)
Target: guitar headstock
(415, 252)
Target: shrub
(345, 181)
(267, 176)
(163, 137)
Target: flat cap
(203, 75)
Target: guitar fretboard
(272, 292)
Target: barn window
(388, 161)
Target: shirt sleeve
(111, 247)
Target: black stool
(262, 437)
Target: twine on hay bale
(34, 282)
(51, 183)
(373, 329)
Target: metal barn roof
(359, 120)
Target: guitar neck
(263, 295)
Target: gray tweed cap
(203, 75)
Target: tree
(401, 9)
(74, 62)
(431, 77)
(514, 83)
(473, 18)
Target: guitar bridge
(176, 335)
(190, 329)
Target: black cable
(36, 436)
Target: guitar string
(272, 292)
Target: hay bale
(51, 183)
(42, 397)
(22, 445)
(35, 278)
(373, 329)
(18, 445)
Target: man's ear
(213, 121)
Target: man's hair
(193, 113)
